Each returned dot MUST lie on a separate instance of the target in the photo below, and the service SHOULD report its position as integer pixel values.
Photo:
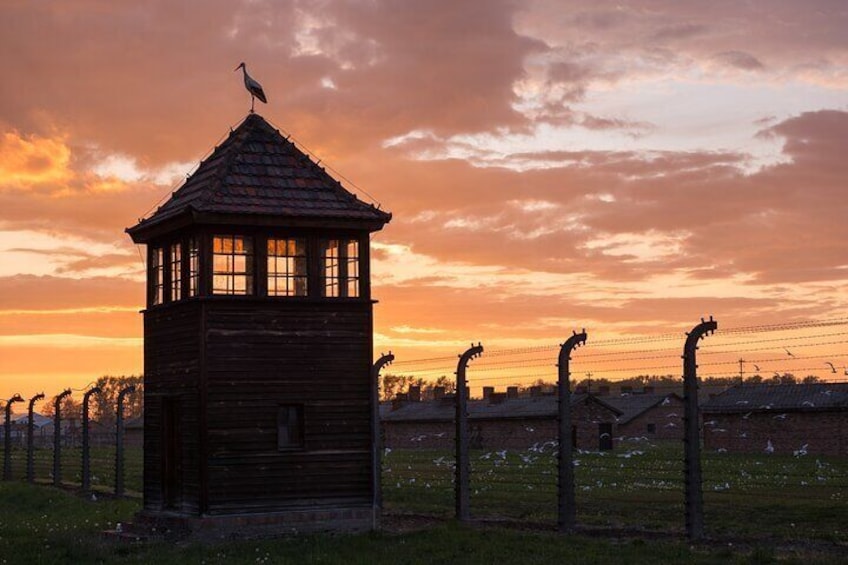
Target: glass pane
(219, 263)
(219, 283)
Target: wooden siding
(278, 352)
(172, 370)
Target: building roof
(634, 405)
(545, 406)
(258, 176)
(789, 397)
(38, 420)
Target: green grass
(40, 524)
(639, 485)
(102, 467)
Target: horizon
(549, 166)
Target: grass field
(761, 501)
(44, 525)
(102, 466)
(639, 485)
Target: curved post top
(89, 392)
(471, 353)
(576, 340)
(125, 391)
(698, 332)
(385, 359)
(35, 399)
(63, 394)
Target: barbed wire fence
(641, 481)
(71, 450)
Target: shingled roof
(786, 398)
(511, 408)
(258, 176)
(634, 405)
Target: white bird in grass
(769, 447)
(253, 87)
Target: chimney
(415, 394)
(399, 400)
(603, 390)
(580, 389)
(497, 398)
(438, 392)
(626, 389)
(488, 391)
(512, 392)
(535, 391)
(648, 389)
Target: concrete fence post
(566, 509)
(376, 443)
(7, 439)
(57, 436)
(119, 441)
(30, 467)
(86, 455)
(463, 462)
(692, 435)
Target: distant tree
(393, 385)
(105, 404)
(811, 379)
(70, 407)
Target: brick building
(504, 421)
(787, 419)
(648, 414)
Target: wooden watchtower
(258, 342)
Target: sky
(625, 167)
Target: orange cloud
(33, 162)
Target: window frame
(193, 266)
(293, 279)
(291, 422)
(175, 271)
(343, 262)
(156, 272)
(232, 258)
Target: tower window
(157, 275)
(340, 267)
(193, 267)
(175, 265)
(290, 426)
(232, 265)
(287, 267)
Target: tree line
(103, 406)
(391, 385)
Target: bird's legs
(252, 102)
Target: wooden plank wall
(172, 369)
(274, 353)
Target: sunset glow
(550, 166)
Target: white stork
(253, 87)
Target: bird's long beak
(240, 66)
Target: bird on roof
(786, 350)
(253, 87)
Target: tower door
(171, 463)
(605, 436)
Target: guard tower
(258, 343)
